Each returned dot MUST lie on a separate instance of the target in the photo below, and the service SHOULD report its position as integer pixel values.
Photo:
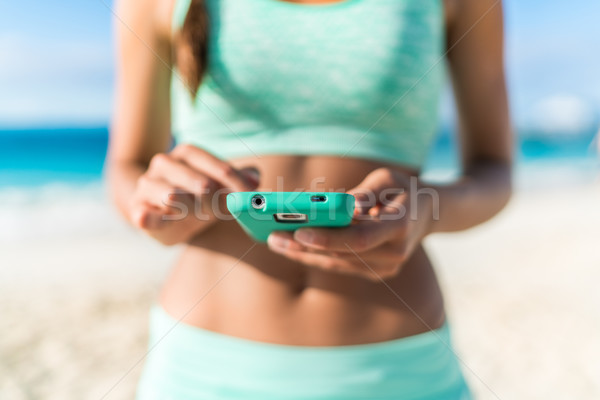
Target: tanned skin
(370, 282)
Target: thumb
(368, 192)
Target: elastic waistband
(163, 322)
(187, 362)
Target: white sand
(522, 293)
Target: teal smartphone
(260, 213)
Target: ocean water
(542, 160)
(44, 156)
(37, 157)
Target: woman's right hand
(176, 198)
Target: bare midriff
(227, 283)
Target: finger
(384, 253)
(222, 172)
(284, 240)
(376, 188)
(382, 262)
(296, 253)
(180, 175)
(148, 217)
(361, 236)
(392, 209)
(374, 268)
(162, 195)
(157, 224)
(154, 191)
(367, 192)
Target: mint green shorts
(187, 362)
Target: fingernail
(278, 242)
(305, 235)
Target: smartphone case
(289, 211)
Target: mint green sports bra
(357, 78)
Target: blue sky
(56, 59)
(55, 62)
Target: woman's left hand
(389, 222)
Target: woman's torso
(227, 283)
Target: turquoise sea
(34, 157)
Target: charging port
(290, 218)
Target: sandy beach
(522, 297)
